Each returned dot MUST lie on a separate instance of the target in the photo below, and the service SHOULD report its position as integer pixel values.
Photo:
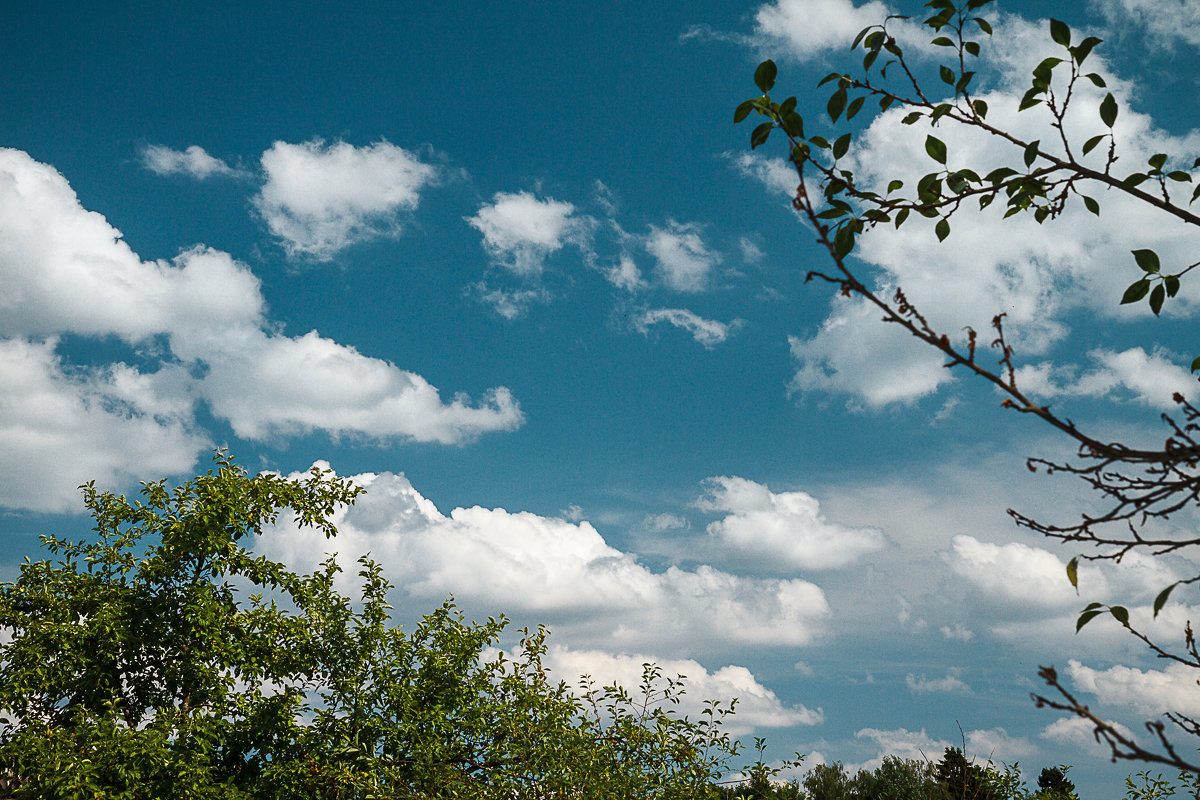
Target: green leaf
(1157, 161)
(942, 229)
(1081, 51)
(1172, 284)
(1195, 364)
(1085, 618)
(1146, 259)
(984, 25)
(1091, 205)
(742, 111)
(947, 75)
(1073, 572)
(819, 141)
(911, 117)
(1157, 297)
(1108, 110)
(793, 125)
(902, 215)
(1135, 179)
(936, 149)
(764, 76)
(1060, 33)
(843, 242)
(1161, 600)
(837, 102)
(981, 108)
(943, 41)
(855, 106)
(833, 76)
(972, 48)
(1136, 291)
(759, 135)
(895, 185)
(1195, 194)
(859, 37)
(963, 81)
(1091, 143)
(1179, 175)
(1031, 153)
(1121, 614)
(841, 145)
(1096, 79)
(1030, 99)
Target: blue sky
(513, 266)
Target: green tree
(1139, 487)
(137, 668)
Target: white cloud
(267, 385)
(992, 744)
(784, 529)
(665, 522)
(774, 173)
(1153, 378)
(563, 572)
(319, 199)
(751, 252)
(1150, 692)
(66, 270)
(1168, 21)
(757, 706)
(1017, 575)
(952, 683)
(520, 231)
(59, 429)
(683, 261)
(957, 633)
(707, 332)
(1038, 275)
(1080, 733)
(194, 162)
(509, 304)
(806, 28)
(625, 274)
(856, 355)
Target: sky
(512, 268)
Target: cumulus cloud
(1152, 378)
(1079, 732)
(66, 270)
(957, 633)
(1040, 278)
(1150, 692)
(519, 230)
(682, 260)
(757, 706)
(562, 571)
(268, 385)
(1016, 574)
(991, 744)
(58, 429)
(707, 332)
(318, 199)
(785, 529)
(195, 162)
(806, 28)
(951, 683)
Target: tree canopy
(165, 659)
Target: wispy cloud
(194, 161)
(707, 332)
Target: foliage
(1042, 177)
(137, 669)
